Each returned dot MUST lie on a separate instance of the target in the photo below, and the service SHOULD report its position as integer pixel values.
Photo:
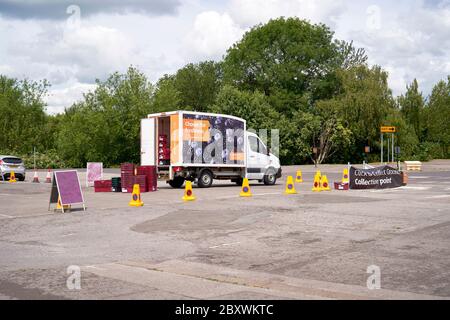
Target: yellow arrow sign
(388, 129)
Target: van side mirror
(269, 151)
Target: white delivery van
(201, 147)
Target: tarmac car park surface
(272, 245)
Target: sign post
(390, 142)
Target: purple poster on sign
(94, 172)
(69, 188)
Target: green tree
(411, 106)
(198, 84)
(289, 58)
(166, 97)
(251, 106)
(438, 116)
(22, 115)
(106, 125)
(352, 118)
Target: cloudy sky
(71, 43)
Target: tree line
(287, 74)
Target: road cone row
(245, 190)
(35, 177)
(48, 179)
(345, 176)
(136, 200)
(316, 186)
(61, 207)
(298, 177)
(290, 187)
(188, 193)
(12, 177)
(320, 184)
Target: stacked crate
(127, 177)
(151, 177)
(102, 186)
(141, 180)
(163, 150)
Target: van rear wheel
(205, 179)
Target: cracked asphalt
(270, 246)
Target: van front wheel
(270, 178)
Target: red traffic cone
(35, 177)
(48, 179)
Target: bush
(49, 159)
(427, 151)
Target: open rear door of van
(148, 148)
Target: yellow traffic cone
(318, 173)
(298, 177)
(61, 207)
(35, 177)
(12, 177)
(316, 186)
(136, 197)
(345, 177)
(324, 186)
(245, 191)
(290, 187)
(188, 193)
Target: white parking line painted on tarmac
(94, 267)
(418, 177)
(414, 188)
(254, 194)
(224, 245)
(6, 216)
(32, 215)
(439, 196)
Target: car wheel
(270, 178)
(177, 182)
(205, 179)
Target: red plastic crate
(103, 183)
(102, 189)
(151, 176)
(341, 186)
(127, 166)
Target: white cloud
(212, 34)
(410, 39)
(59, 99)
(412, 42)
(41, 9)
(251, 12)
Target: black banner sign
(377, 178)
